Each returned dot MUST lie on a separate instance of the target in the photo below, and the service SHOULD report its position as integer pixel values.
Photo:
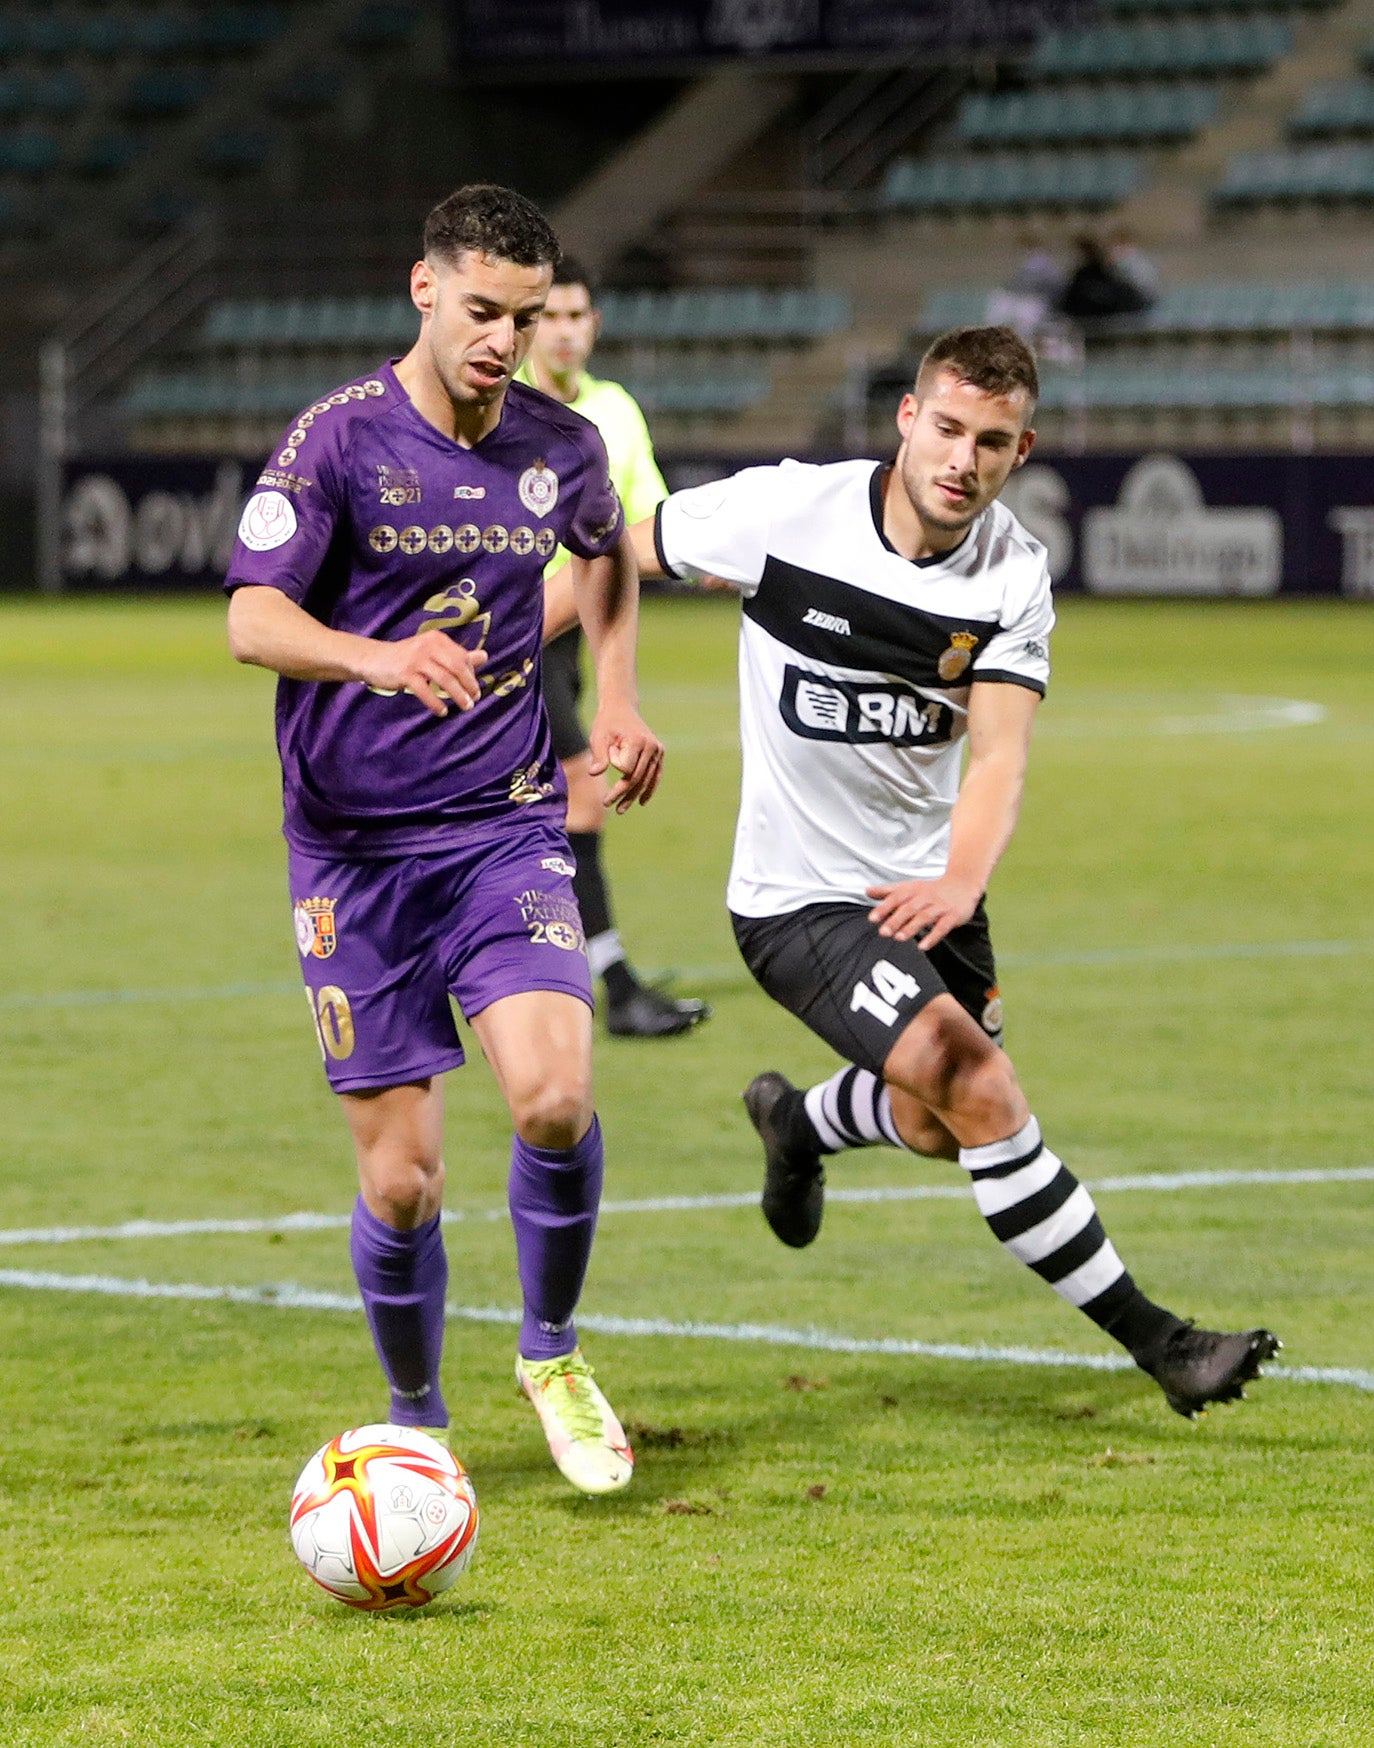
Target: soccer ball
(384, 1517)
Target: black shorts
(828, 965)
(563, 691)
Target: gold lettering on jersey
(294, 483)
(467, 538)
(957, 657)
(413, 539)
(522, 541)
(544, 542)
(398, 485)
(526, 787)
(382, 538)
(335, 1018)
(495, 539)
(503, 685)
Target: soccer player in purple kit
(389, 568)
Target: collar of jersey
(875, 504)
(417, 417)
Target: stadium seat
(1177, 48)
(28, 154)
(107, 154)
(165, 93)
(1240, 309)
(381, 24)
(1336, 107)
(1125, 112)
(1298, 173)
(994, 179)
(235, 151)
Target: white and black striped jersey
(855, 669)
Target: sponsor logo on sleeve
(268, 521)
(558, 865)
(538, 488)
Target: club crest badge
(538, 488)
(316, 935)
(954, 662)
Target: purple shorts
(383, 943)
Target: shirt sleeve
(1018, 653)
(720, 529)
(286, 528)
(598, 519)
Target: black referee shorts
(828, 965)
(563, 693)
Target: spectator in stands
(1097, 288)
(1130, 261)
(1030, 296)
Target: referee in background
(556, 365)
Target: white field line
(288, 1296)
(735, 973)
(1152, 1182)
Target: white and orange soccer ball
(384, 1517)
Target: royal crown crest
(958, 656)
(316, 935)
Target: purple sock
(554, 1195)
(403, 1277)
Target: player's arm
(606, 595)
(269, 630)
(1000, 716)
(560, 594)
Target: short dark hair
(571, 271)
(996, 360)
(487, 219)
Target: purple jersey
(378, 524)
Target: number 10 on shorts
(889, 986)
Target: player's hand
(430, 666)
(620, 738)
(928, 908)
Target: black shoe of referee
(642, 1011)
(793, 1176)
(1196, 1366)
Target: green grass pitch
(821, 1549)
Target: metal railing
(96, 351)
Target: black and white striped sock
(1040, 1212)
(851, 1109)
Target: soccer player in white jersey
(892, 614)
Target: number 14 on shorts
(879, 996)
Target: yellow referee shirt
(629, 448)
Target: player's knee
(986, 1091)
(556, 1114)
(404, 1187)
(947, 1063)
